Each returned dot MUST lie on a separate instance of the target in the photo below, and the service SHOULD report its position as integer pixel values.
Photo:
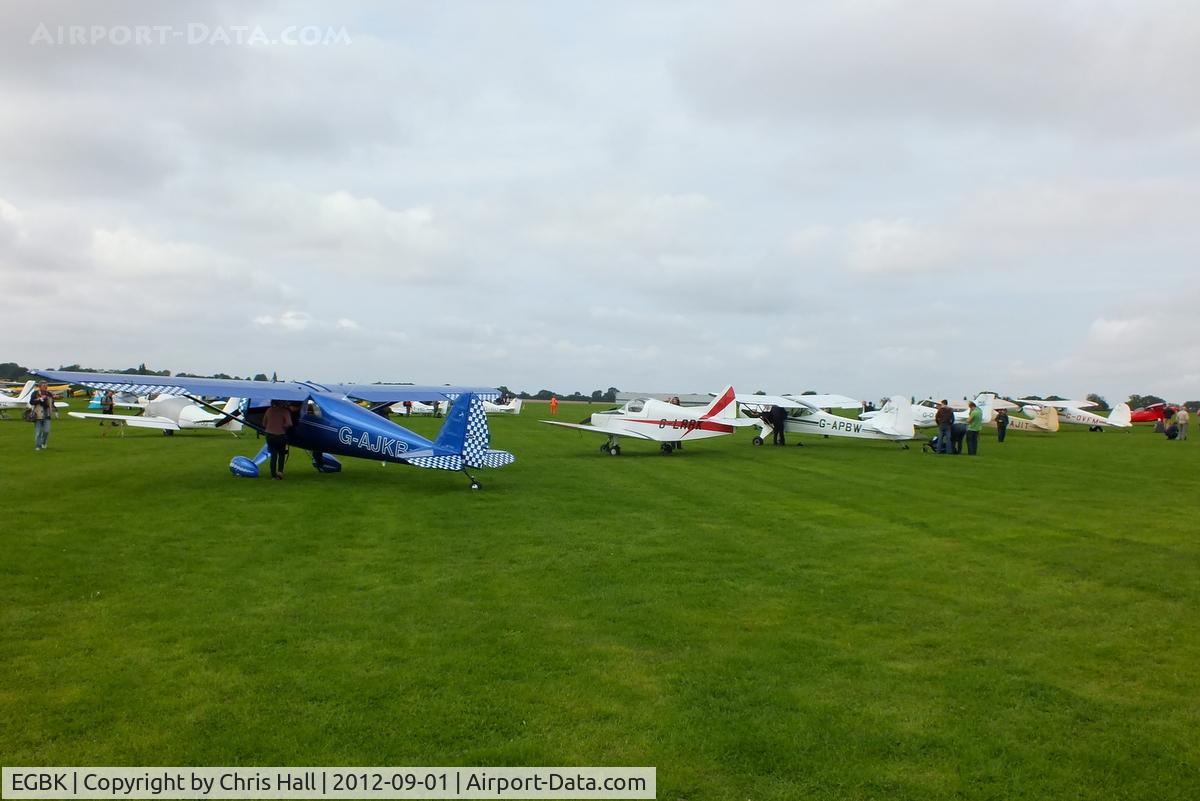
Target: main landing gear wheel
(614, 450)
(667, 448)
(757, 440)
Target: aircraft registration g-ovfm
(1071, 411)
(171, 413)
(807, 415)
(328, 421)
(648, 418)
(20, 400)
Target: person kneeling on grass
(276, 421)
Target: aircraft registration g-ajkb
(328, 421)
(666, 423)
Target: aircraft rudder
(1121, 415)
(722, 406)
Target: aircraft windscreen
(635, 405)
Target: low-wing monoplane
(893, 422)
(327, 420)
(512, 407)
(171, 413)
(666, 423)
(20, 400)
(1071, 411)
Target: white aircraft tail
(987, 404)
(722, 407)
(1120, 416)
(233, 408)
(895, 418)
(25, 392)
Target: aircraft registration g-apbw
(327, 420)
(806, 415)
(666, 423)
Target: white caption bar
(499, 783)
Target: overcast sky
(870, 198)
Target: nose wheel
(757, 440)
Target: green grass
(845, 620)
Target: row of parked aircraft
(351, 419)
(898, 420)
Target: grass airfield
(846, 620)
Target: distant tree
(274, 376)
(1192, 406)
(1098, 400)
(597, 396)
(1142, 401)
(260, 377)
(611, 395)
(505, 391)
(806, 392)
(1054, 397)
(543, 394)
(760, 392)
(11, 371)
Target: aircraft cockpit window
(636, 405)
(312, 409)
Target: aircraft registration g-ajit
(647, 418)
(327, 421)
(807, 415)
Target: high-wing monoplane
(666, 423)
(171, 413)
(20, 400)
(893, 422)
(1071, 411)
(327, 420)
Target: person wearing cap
(1181, 420)
(41, 402)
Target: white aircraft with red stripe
(672, 425)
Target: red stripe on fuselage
(685, 425)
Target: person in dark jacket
(41, 404)
(1001, 424)
(944, 417)
(778, 418)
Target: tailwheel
(757, 440)
(475, 485)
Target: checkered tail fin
(465, 432)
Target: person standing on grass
(41, 403)
(276, 421)
(553, 405)
(1001, 424)
(974, 426)
(944, 417)
(107, 402)
(1181, 420)
(778, 417)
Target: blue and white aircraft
(327, 420)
